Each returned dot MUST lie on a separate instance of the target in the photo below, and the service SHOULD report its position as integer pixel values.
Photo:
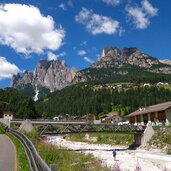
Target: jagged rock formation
(114, 57)
(115, 62)
(112, 64)
(51, 74)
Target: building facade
(8, 115)
(160, 113)
(112, 119)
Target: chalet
(112, 119)
(160, 113)
(8, 115)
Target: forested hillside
(83, 99)
(14, 101)
(126, 73)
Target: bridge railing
(35, 161)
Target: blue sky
(77, 30)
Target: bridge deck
(66, 127)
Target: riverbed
(126, 159)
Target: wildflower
(138, 167)
(116, 167)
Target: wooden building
(160, 113)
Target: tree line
(14, 101)
(83, 99)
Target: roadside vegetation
(65, 159)
(162, 139)
(68, 160)
(102, 138)
(2, 129)
(23, 164)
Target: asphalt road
(7, 154)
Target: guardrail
(35, 161)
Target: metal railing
(68, 128)
(35, 161)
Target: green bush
(69, 160)
(65, 159)
(168, 150)
(161, 139)
(104, 138)
(2, 129)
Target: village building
(111, 117)
(8, 115)
(160, 113)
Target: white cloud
(112, 2)
(140, 19)
(52, 56)
(97, 24)
(63, 7)
(88, 60)
(26, 30)
(7, 70)
(149, 8)
(140, 16)
(81, 52)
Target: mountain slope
(114, 57)
(83, 99)
(128, 64)
(114, 65)
(14, 101)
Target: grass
(66, 160)
(23, 164)
(103, 138)
(162, 139)
(2, 129)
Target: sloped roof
(8, 113)
(150, 109)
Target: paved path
(7, 154)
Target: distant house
(112, 119)
(147, 85)
(103, 117)
(8, 115)
(160, 113)
(56, 118)
(75, 118)
(88, 117)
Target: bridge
(50, 127)
(141, 134)
(68, 128)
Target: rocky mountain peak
(128, 51)
(110, 51)
(51, 74)
(114, 57)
